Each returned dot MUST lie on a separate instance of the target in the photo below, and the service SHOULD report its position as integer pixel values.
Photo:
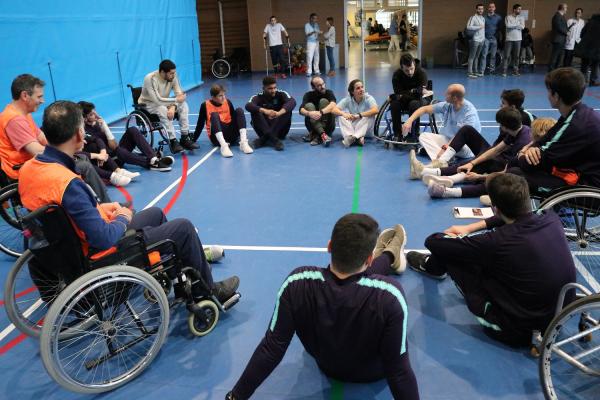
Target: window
(384, 18)
(403, 3)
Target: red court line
(126, 194)
(20, 294)
(12, 343)
(173, 199)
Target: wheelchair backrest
(136, 92)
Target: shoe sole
(402, 266)
(422, 271)
(442, 180)
(160, 169)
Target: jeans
(490, 46)
(330, 58)
(279, 64)
(474, 53)
(512, 49)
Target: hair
(312, 15)
(352, 241)
(268, 80)
(509, 118)
(86, 107)
(478, 5)
(568, 83)
(509, 193)
(61, 122)
(514, 97)
(330, 20)
(272, 16)
(541, 126)
(407, 60)
(492, 2)
(24, 83)
(517, 5)
(166, 66)
(351, 86)
(370, 19)
(216, 88)
(579, 9)
(561, 6)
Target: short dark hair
(352, 241)
(216, 88)
(517, 5)
(561, 6)
(330, 19)
(579, 9)
(351, 86)
(61, 121)
(509, 193)
(24, 83)
(568, 83)
(166, 66)
(272, 16)
(514, 97)
(312, 15)
(478, 5)
(269, 80)
(509, 118)
(86, 107)
(407, 60)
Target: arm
(309, 31)
(112, 143)
(20, 136)
(151, 86)
(461, 230)
(201, 121)
(472, 26)
(428, 109)
(488, 154)
(252, 105)
(511, 22)
(467, 249)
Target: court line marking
(587, 275)
(26, 314)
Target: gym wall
(79, 42)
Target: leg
(131, 139)
(396, 110)
(161, 111)
(91, 177)
(330, 58)
(282, 60)
(382, 265)
(310, 53)
(282, 125)
(483, 56)
(539, 181)
(492, 52)
(363, 126)
(477, 61)
(507, 52)
(274, 57)
(346, 127)
(316, 59)
(327, 120)
(150, 217)
(568, 58)
(215, 128)
(261, 125)
(515, 55)
(472, 54)
(432, 143)
(468, 136)
(310, 123)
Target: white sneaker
(129, 174)
(245, 147)
(416, 166)
(213, 253)
(348, 141)
(119, 180)
(442, 180)
(226, 151)
(485, 200)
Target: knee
(182, 107)
(310, 107)
(214, 117)
(323, 103)
(184, 226)
(156, 214)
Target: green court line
(337, 390)
(356, 193)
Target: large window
(384, 18)
(403, 3)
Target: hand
(457, 230)
(406, 128)
(315, 115)
(474, 177)
(181, 97)
(103, 155)
(171, 113)
(533, 156)
(465, 168)
(272, 114)
(125, 212)
(110, 208)
(348, 116)
(280, 113)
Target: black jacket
(559, 29)
(589, 47)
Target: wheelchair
(12, 241)
(383, 129)
(101, 319)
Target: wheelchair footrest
(232, 301)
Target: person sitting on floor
(510, 277)
(357, 113)
(95, 150)
(271, 113)
(515, 98)
(224, 123)
(351, 317)
(317, 109)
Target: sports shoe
(516, 73)
(361, 141)
(308, 75)
(161, 164)
(258, 142)
(326, 139)
(442, 180)
(306, 138)
(119, 180)
(479, 74)
(348, 141)
(314, 142)
(417, 261)
(474, 76)
(226, 151)
(278, 145)
(437, 164)
(226, 288)
(392, 240)
(504, 74)
(245, 147)
(129, 174)
(485, 200)
(213, 253)
(382, 241)
(416, 166)
(187, 143)
(435, 190)
(175, 146)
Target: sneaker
(278, 145)
(226, 151)
(245, 147)
(129, 174)
(187, 143)
(348, 141)
(383, 240)
(317, 74)
(258, 143)
(442, 180)
(306, 138)
(474, 76)
(175, 146)
(485, 200)
(435, 190)
(314, 142)
(224, 289)
(161, 164)
(504, 74)
(213, 253)
(396, 247)
(437, 164)
(416, 166)
(516, 73)
(416, 261)
(308, 74)
(479, 74)
(119, 180)
(361, 141)
(326, 139)
(167, 160)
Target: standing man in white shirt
(330, 45)
(515, 24)
(574, 27)
(273, 31)
(312, 32)
(476, 26)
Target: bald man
(457, 114)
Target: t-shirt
(349, 105)
(274, 33)
(308, 28)
(314, 97)
(20, 134)
(454, 120)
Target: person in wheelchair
(408, 82)
(21, 139)
(569, 154)
(511, 275)
(50, 178)
(155, 95)
(356, 113)
(123, 150)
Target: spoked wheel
(221, 68)
(12, 241)
(125, 337)
(205, 319)
(138, 120)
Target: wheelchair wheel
(220, 68)
(12, 241)
(204, 321)
(126, 336)
(139, 120)
(569, 366)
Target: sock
(457, 178)
(153, 160)
(452, 192)
(220, 139)
(448, 154)
(243, 136)
(431, 171)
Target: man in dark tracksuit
(350, 317)
(559, 36)
(271, 113)
(570, 152)
(510, 277)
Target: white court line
(587, 275)
(292, 249)
(26, 314)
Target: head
(510, 120)
(273, 20)
(356, 89)
(403, 16)
(578, 13)
(541, 126)
(28, 91)
(455, 93)
(370, 19)
(352, 242)
(562, 8)
(88, 110)
(166, 69)
(329, 21)
(565, 86)
(269, 85)
(407, 64)
(313, 18)
(217, 93)
(509, 194)
(318, 84)
(512, 98)
(491, 8)
(516, 9)
(63, 126)
(479, 9)
(525, 31)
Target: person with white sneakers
(357, 113)
(224, 123)
(312, 32)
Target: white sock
(452, 192)
(243, 136)
(431, 171)
(458, 178)
(448, 154)
(220, 139)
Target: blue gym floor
(291, 199)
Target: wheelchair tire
(139, 120)
(220, 68)
(12, 241)
(116, 294)
(563, 334)
(201, 325)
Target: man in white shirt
(273, 32)
(574, 27)
(312, 32)
(476, 26)
(515, 24)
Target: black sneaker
(168, 160)
(162, 164)
(306, 138)
(224, 289)
(175, 146)
(187, 143)
(259, 142)
(278, 145)
(417, 261)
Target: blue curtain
(90, 50)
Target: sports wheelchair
(383, 129)
(12, 241)
(101, 319)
